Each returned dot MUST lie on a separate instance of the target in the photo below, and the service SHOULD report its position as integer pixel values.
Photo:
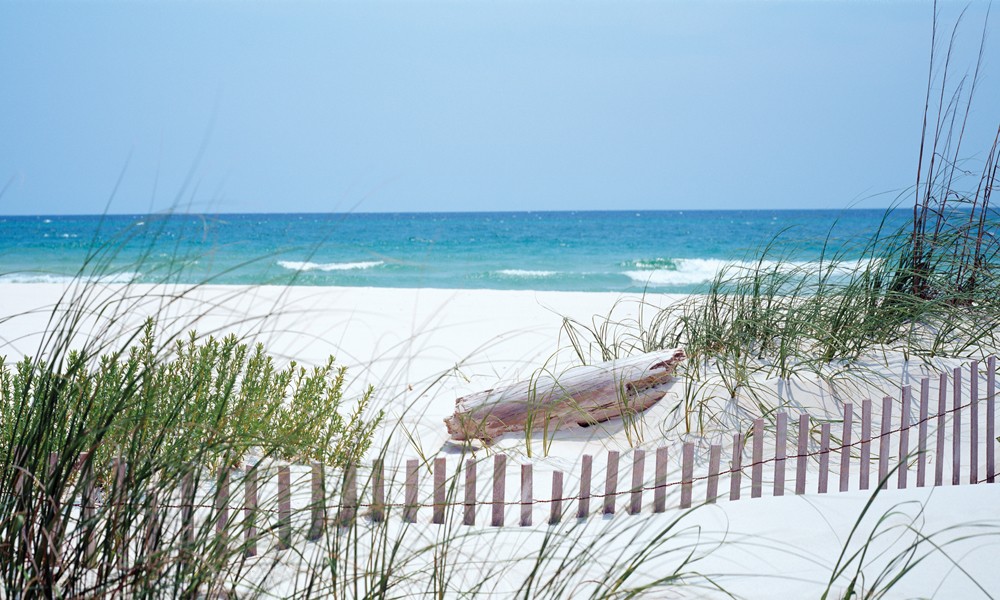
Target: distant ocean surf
(659, 251)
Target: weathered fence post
(611, 483)
(845, 447)
(349, 499)
(250, 511)
(499, 489)
(638, 474)
(974, 422)
(412, 478)
(714, 463)
(736, 468)
(222, 506)
(284, 507)
(780, 450)
(586, 471)
(187, 513)
(939, 450)
(660, 481)
(904, 438)
(757, 466)
(440, 491)
(824, 458)
(883, 443)
(469, 518)
(317, 501)
(925, 392)
(557, 491)
(378, 490)
(865, 467)
(527, 495)
(687, 473)
(803, 450)
(956, 428)
(991, 392)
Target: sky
(135, 107)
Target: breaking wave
(295, 265)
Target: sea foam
(690, 271)
(295, 265)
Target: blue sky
(443, 106)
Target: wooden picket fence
(854, 452)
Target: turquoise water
(668, 251)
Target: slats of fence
(991, 440)
(660, 481)
(883, 443)
(317, 501)
(638, 475)
(412, 478)
(284, 507)
(845, 450)
(757, 464)
(499, 489)
(378, 491)
(349, 509)
(780, 449)
(956, 427)
(865, 466)
(440, 491)
(250, 511)
(611, 483)
(687, 473)
(922, 432)
(803, 447)
(222, 506)
(586, 472)
(904, 438)
(736, 468)
(824, 458)
(974, 422)
(469, 517)
(939, 446)
(714, 463)
(555, 515)
(526, 495)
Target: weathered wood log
(581, 396)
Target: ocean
(620, 251)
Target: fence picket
(803, 447)
(714, 462)
(991, 441)
(526, 495)
(586, 472)
(974, 422)
(904, 438)
(611, 483)
(956, 427)
(250, 511)
(638, 474)
(883, 443)
(660, 481)
(469, 518)
(440, 468)
(499, 489)
(780, 449)
(557, 491)
(824, 458)
(757, 460)
(378, 490)
(412, 478)
(939, 450)
(222, 506)
(284, 507)
(845, 451)
(925, 384)
(736, 468)
(350, 497)
(316, 501)
(865, 467)
(687, 473)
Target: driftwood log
(583, 396)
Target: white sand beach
(423, 348)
